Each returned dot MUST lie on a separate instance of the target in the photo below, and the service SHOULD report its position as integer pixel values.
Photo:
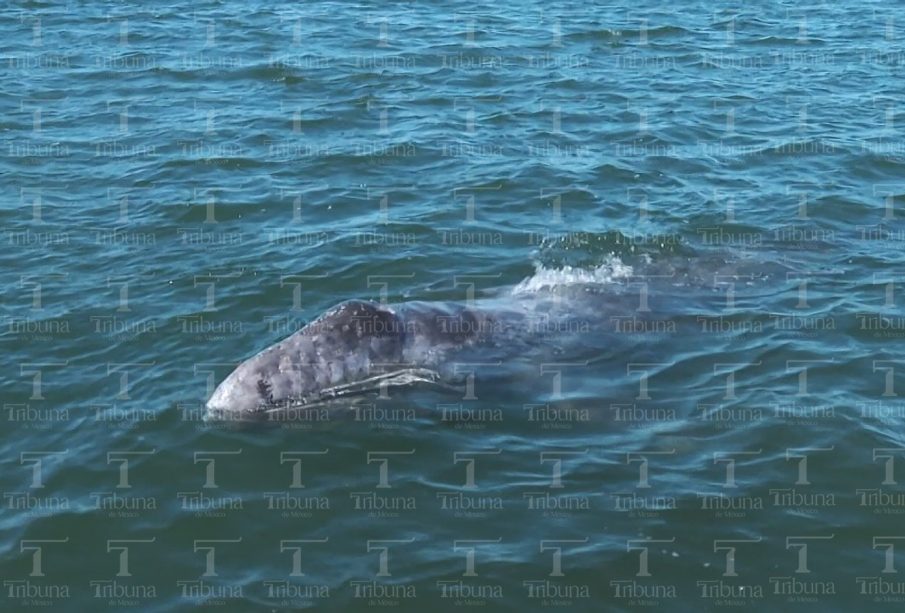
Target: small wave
(630, 33)
(609, 271)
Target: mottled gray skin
(353, 344)
(359, 346)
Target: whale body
(359, 347)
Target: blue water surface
(184, 184)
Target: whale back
(351, 342)
(558, 314)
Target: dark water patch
(627, 35)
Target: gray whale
(358, 346)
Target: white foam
(609, 271)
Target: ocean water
(185, 184)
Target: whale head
(346, 346)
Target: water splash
(609, 271)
